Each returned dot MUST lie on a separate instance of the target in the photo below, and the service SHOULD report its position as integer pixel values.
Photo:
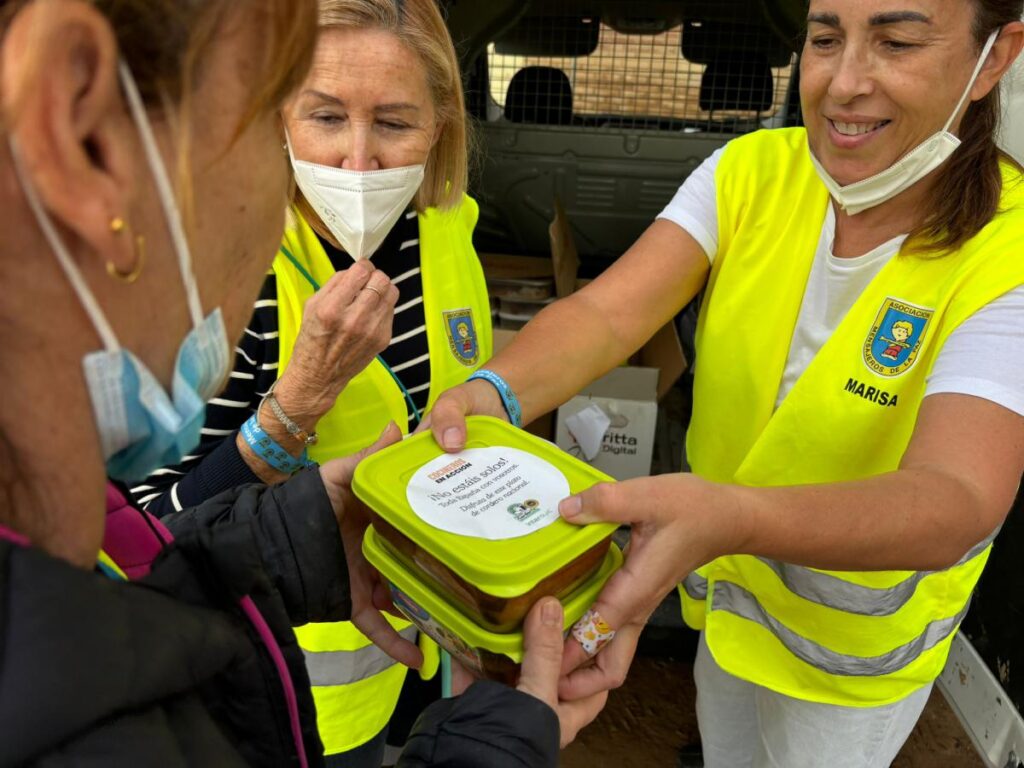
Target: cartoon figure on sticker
(462, 338)
(896, 337)
(524, 510)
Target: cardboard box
(611, 423)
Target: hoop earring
(117, 226)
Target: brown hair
(421, 28)
(966, 194)
(163, 43)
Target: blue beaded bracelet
(264, 446)
(508, 397)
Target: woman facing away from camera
(127, 640)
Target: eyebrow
(898, 17)
(323, 96)
(878, 20)
(399, 106)
(828, 19)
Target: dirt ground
(652, 716)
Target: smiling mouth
(857, 129)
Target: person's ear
(1004, 52)
(66, 116)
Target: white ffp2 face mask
(359, 207)
(909, 169)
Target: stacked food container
(468, 542)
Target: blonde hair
(421, 28)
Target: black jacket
(166, 671)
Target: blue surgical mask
(141, 427)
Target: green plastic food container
(485, 535)
(493, 655)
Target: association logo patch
(895, 338)
(462, 338)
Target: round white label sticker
(489, 493)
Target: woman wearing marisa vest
(358, 320)
(858, 423)
(129, 641)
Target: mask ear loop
(288, 144)
(71, 270)
(974, 77)
(165, 192)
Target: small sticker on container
(490, 493)
(458, 648)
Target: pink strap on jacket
(13, 536)
(134, 538)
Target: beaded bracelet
(293, 429)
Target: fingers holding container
(598, 653)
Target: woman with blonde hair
(375, 304)
(127, 640)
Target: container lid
(505, 567)
(441, 611)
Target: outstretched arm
(583, 336)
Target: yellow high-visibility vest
(836, 637)
(355, 685)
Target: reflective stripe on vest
(341, 667)
(355, 686)
(734, 599)
(828, 590)
(839, 637)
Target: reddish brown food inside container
(499, 667)
(496, 614)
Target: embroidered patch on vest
(461, 331)
(895, 337)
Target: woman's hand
(344, 326)
(679, 522)
(542, 660)
(368, 594)
(447, 419)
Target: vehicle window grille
(697, 75)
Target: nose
(360, 150)
(852, 75)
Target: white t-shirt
(984, 357)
